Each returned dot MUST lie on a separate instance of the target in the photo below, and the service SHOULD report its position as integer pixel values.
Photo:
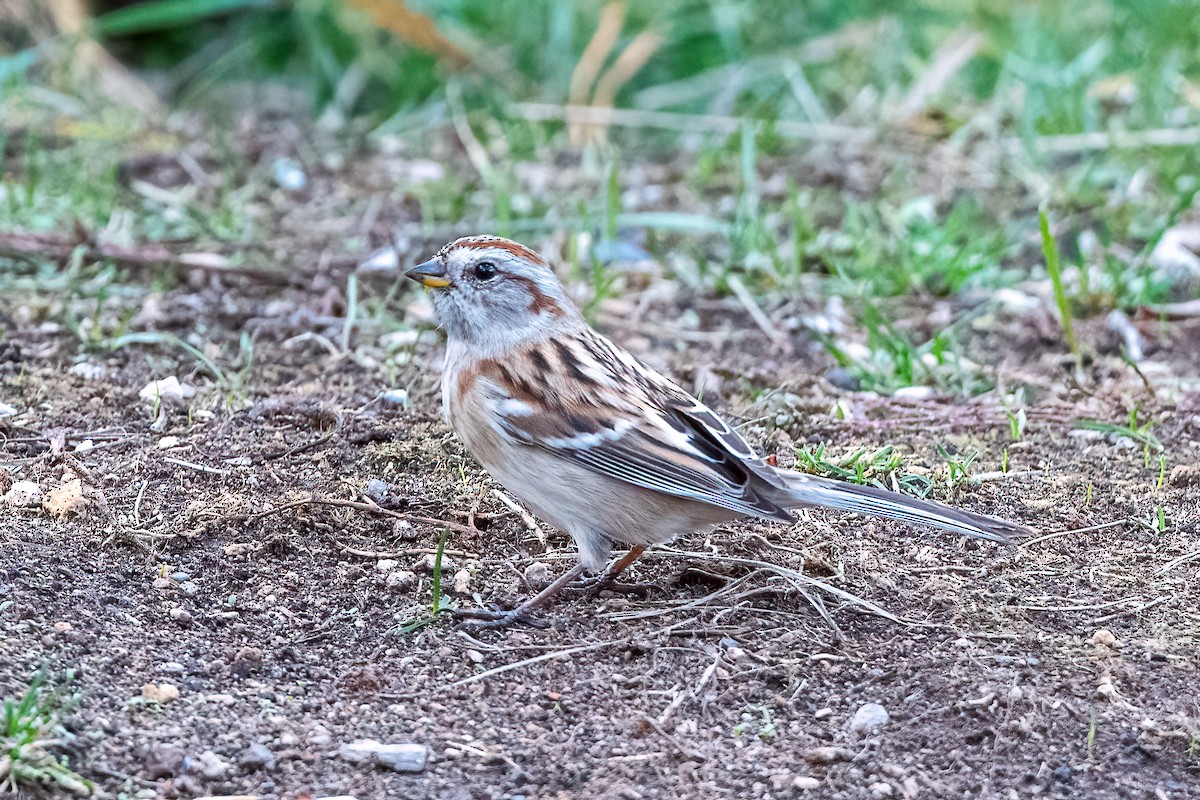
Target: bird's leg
(608, 581)
(524, 612)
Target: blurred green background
(863, 150)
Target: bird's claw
(482, 619)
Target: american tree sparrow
(597, 444)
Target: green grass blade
(1053, 266)
(169, 14)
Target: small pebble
(537, 573)
(376, 489)
(211, 765)
(189, 588)
(880, 789)
(805, 783)
(396, 757)
(180, 615)
(475, 657)
(88, 371)
(257, 756)
(24, 494)
(462, 581)
(401, 580)
(386, 564)
(1104, 637)
(161, 693)
(827, 755)
(868, 717)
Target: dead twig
(565, 653)
(47, 245)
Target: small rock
(320, 736)
(868, 717)
(462, 581)
(827, 755)
(426, 563)
(180, 615)
(288, 174)
(89, 371)
(806, 783)
(1104, 637)
(395, 397)
(358, 751)
(880, 790)
(24, 494)
(386, 564)
(180, 577)
(237, 548)
(401, 580)
(161, 693)
(402, 757)
(396, 757)
(163, 761)
(914, 392)
(65, 499)
(167, 390)
(246, 661)
(257, 756)
(537, 573)
(7, 411)
(167, 442)
(823, 713)
(376, 489)
(337, 797)
(189, 588)
(211, 765)
(475, 657)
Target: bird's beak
(431, 274)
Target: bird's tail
(810, 490)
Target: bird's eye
(485, 270)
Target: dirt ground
(1066, 667)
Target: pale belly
(594, 509)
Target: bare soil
(1067, 667)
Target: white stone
(24, 494)
(868, 717)
(396, 757)
(168, 389)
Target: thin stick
(196, 467)
(1089, 529)
(756, 313)
(1134, 610)
(570, 651)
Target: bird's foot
(482, 619)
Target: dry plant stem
(570, 651)
(46, 245)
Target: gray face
(491, 293)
